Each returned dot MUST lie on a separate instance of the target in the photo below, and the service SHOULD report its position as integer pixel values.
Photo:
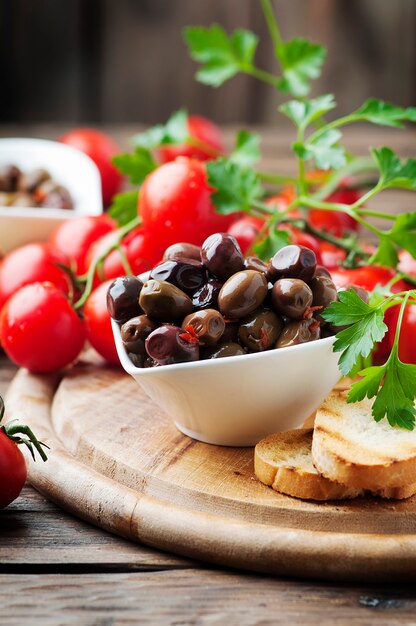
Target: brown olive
(360, 291)
(166, 345)
(230, 334)
(138, 360)
(164, 302)
(134, 333)
(291, 297)
(182, 251)
(297, 332)
(292, 262)
(186, 274)
(208, 325)
(322, 271)
(54, 196)
(222, 350)
(6, 198)
(260, 330)
(242, 294)
(323, 290)
(23, 199)
(253, 263)
(207, 296)
(9, 176)
(221, 255)
(123, 298)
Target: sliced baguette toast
(351, 448)
(284, 462)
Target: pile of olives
(210, 302)
(34, 188)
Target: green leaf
(395, 398)
(302, 113)
(323, 150)
(301, 61)
(386, 253)
(366, 328)
(236, 188)
(274, 241)
(222, 56)
(368, 385)
(136, 166)
(246, 151)
(175, 131)
(384, 113)
(124, 207)
(403, 232)
(393, 171)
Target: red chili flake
(264, 338)
(314, 326)
(310, 310)
(189, 335)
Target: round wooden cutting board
(115, 460)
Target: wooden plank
(38, 535)
(195, 597)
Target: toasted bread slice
(351, 448)
(284, 462)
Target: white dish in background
(68, 167)
(236, 401)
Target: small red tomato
(39, 329)
(101, 149)
(245, 230)
(98, 323)
(335, 222)
(281, 201)
(175, 204)
(368, 277)
(407, 340)
(35, 262)
(12, 470)
(208, 142)
(331, 255)
(75, 237)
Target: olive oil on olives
(164, 302)
(242, 294)
(260, 330)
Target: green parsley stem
(95, 264)
(356, 166)
(272, 26)
(202, 145)
(275, 179)
(399, 323)
(262, 75)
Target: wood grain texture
(125, 468)
(196, 598)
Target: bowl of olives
(232, 348)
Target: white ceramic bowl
(236, 401)
(68, 167)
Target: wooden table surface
(55, 569)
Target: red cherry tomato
(209, 142)
(75, 237)
(35, 262)
(368, 277)
(141, 251)
(98, 323)
(280, 201)
(12, 470)
(175, 204)
(245, 230)
(101, 149)
(39, 329)
(407, 341)
(335, 222)
(331, 255)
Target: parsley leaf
(274, 240)
(302, 113)
(396, 396)
(323, 150)
(124, 207)
(393, 171)
(175, 131)
(222, 56)
(384, 113)
(236, 188)
(386, 253)
(366, 327)
(403, 232)
(301, 61)
(246, 151)
(136, 166)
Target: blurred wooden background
(112, 61)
